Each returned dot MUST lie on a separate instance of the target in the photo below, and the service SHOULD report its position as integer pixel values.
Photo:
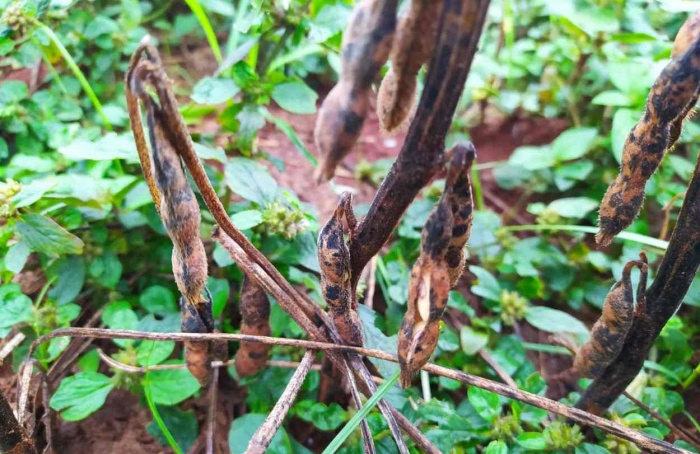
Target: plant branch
(575, 414)
(663, 298)
(422, 153)
(263, 436)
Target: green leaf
(251, 180)
(119, 315)
(324, 417)
(42, 234)
(375, 338)
(220, 290)
(496, 447)
(16, 257)
(107, 147)
(554, 321)
(295, 97)
(623, 122)
(574, 143)
(486, 403)
(573, 207)
(533, 158)
(210, 90)
(243, 428)
(487, 286)
(70, 272)
(471, 340)
(182, 425)
(158, 300)
(32, 192)
(15, 308)
(171, 386)
(533, 441)
(150, 353)
(79, 396)
(611, 98)
(247, 219)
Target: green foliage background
(75, 210)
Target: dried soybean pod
(428, 290)
(251, 357)
(197, 320)
(609, 332)
(334, 261)
(688, 33)
(459, 194)
(366, 46)
(414, 41)
(674, 90)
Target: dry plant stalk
(366, 45)
(433, 275)
(255, 319)
(334, 261)
(609, 332)
(415, 40)
(671, 98)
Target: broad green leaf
(220, 290)
(554, 321)
(533, 441)
(12, 91)
(182, 425)
(611, 98)
(211, 90)
(573, 207)
(171, 386)
(79, 396)
(487, 286)
(107, 148)
(119, 315)
(247, 219)
(325, 417)
(42, 234)
(243, 429)
(486, 403)
(331, 19)
(70, 273)
(150, 353)
(295, 97)
(533, 158)
(32, 192)
(496, 447)
(574, 143)
(375, 338)
(471, 340)
(15, 308)
(16, 257)
(250, 180)
(158, 300)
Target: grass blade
(159, 421)
(364, 411)
(76, 72)
(629, 236)
(203, 20)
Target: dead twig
(507, 379)
(10, 346)
(211, 411)
(577, 415)
(263, 436)
(677, 431)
